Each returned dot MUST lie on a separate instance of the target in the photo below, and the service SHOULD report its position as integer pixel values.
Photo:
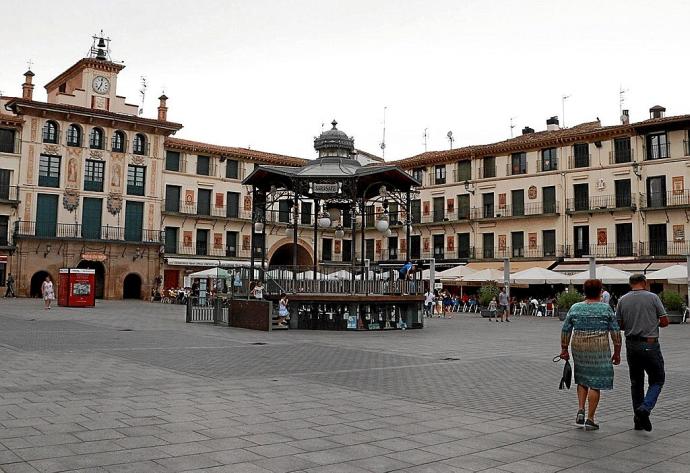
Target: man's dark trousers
(644, 358)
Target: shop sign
(325, 187)
(100, 257)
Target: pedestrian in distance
(429, 298)
(9, 291)
(283, 312)
(588, 326)
(48, 292)
(258, 291)
(503, 306)
(640, 314)
(493, 307)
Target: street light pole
(506, 279)
(592, 266)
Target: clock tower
(91, 82)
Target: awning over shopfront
(630, 267)
(514, 265)
(206, 263)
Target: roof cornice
(233, 152)
(105, 66)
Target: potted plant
(486, 294)
(565, 300)
(674, 306)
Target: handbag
(567, 376)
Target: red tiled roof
(244, 153)
(541, 139)
(152, 122)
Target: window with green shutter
(233, 205)
(136, 177)
(134, 220)
(464, 171)
(172, 161)
(91, 218)
(203, 165)
(49, 171)
(93, 175)
(232, 169)
(46, 215)
(171, 240)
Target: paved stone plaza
(129, 387)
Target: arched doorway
(283, 256)
(131, 287)
(37, 281)
(100, 275)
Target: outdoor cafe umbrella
(676, 274)
(539, 276)
(212, 273)
(457, 272)
(607, 274)
(485, 275)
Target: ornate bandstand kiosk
(347, 196)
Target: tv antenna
(621, 98)
(563, 99)
(142, 93)
(512, 125)
(426, 137)
(383, 140)
(451, 139)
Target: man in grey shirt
(640, 314)
(503, 305)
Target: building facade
(553, 197)
(86, 181)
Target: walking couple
(588, 326)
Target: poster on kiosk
(76, 287)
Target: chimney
(162, 109)
(552, 124)
(28, 86)
(657, 111)
(625, 118)
(527, 130)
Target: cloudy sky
(268, 74)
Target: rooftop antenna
(512, 125)
(142, 92)
(621, 98)
(450, 138)
(563, 99)
(426, 137)
(383, 140)
(29, 63)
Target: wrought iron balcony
(610, 250)
(515, 211)
(600, 203)
(9, 194)
(661, 248)
(27, 229)
(664, 200)
(204, 210)
(520, 252)
(579, 161)
(658, 151)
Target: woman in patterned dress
(590, 323)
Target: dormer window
(139, 144)
(50, 132)
(96, 138)
(74, 135)
(119, 142)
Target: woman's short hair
(592, 288)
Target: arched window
(74, 135)
(139, 144)
(96, 138)
(119, 141)
(50, 132)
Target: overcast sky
(267, 74)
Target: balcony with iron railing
(487, 172)
(657, 151)
(519, 252)
(610, 250)
(205, 249)
(204, 210)
(622, 156)
(515, 211)
(601, 203)
(579, 161)
(664, 200)
(545, 166)
(28, 229)
(516, 170)
(9, 194)
(661, 248)
(686, 148)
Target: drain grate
(450, 358)
(126, 330)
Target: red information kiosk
(76, 287)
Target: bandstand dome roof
(334, 138)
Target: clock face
(101, 85)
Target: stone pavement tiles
(129, 387)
